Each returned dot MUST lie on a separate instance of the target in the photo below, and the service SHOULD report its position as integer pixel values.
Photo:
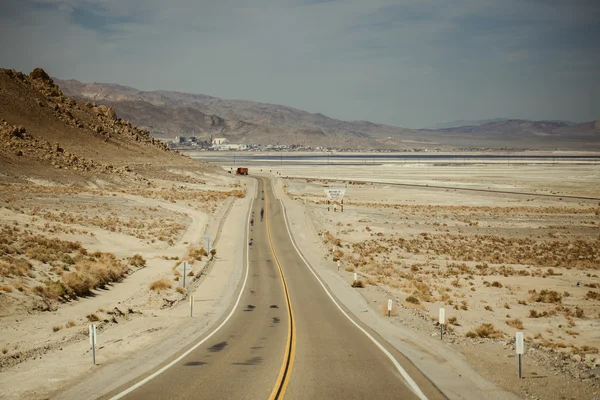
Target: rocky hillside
(168, 114)
(47, 135)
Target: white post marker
(191, 306)
(520, 350)
(390, 303)
(355, 277)
(442, 322)
(93, 342)
(338, 264)
(207, 237)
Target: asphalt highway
(286, 338)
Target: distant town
(223, 144)
(193, 143)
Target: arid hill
(47, 135)
(169, 114)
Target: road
(286, 337)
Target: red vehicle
(241, 171)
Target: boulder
(39, 73)
(111, 114)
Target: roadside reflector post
(355, 277)
(338, 264)
(520, 349)
(93, 342)
(191, 306)
(442, 322)
(389, 313)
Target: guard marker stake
(520, 350)
(442, 322)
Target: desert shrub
(471, 334)
(56, 328)
(515, 323)
(592, 295)
(412, 299)
(14, 266)
(80, 284)
(358, 283)
(545, 296)
(92, 317)
(160, 284)
(70, 324)
(180, 290)
(137, 261)
(6, 288)
(453, 321)
(579, 312)
(213, 252)
(52, 290)
(488, 308)
(487, 330)
(496, 284)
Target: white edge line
(163, 369)
(411, 383)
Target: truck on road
(241, 171)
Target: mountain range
(167, 114)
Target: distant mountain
(168, 114)
(456, 124)
(461, 123)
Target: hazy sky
(409, 63)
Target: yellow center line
(290, 347)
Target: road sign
(335, 195)
(183, 268)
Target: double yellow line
(290, 346)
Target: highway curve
(286, 337)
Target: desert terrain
(496, 261)
(94, 217)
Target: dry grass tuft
(412, 300)
(515, 323)
(485, 330)
(160, 284)
(137, 261)
(6, 288)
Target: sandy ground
(521, 262)
(138, 328)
